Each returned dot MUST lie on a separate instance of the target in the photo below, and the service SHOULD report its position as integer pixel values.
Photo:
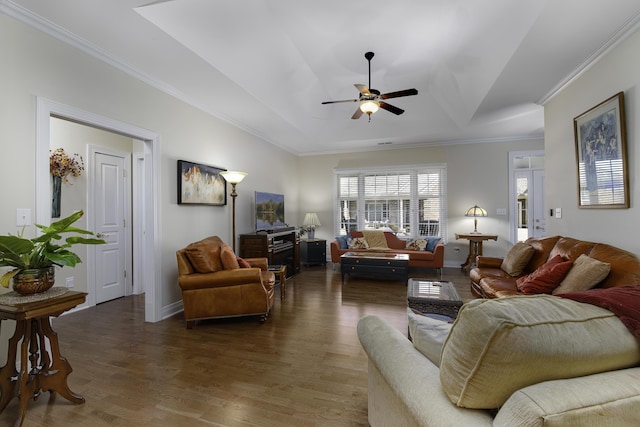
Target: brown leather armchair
(209, 290)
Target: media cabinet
(278, 247)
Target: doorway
(149, 216)
(526, 195)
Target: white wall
(476, 174)
(617, 71)
(34, 64)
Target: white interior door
(526, 191)
(110, 221)
(537, 207)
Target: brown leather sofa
(488, 280)
(211, 291)
(424, 259)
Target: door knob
(99, 235)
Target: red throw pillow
(243, 263)
(546, 278)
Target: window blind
(410, 202)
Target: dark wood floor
(303, 367)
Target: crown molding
(626, 30)
(27, 17)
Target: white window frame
(413, 196)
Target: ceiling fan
(371, 100)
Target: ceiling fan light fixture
(369, 106)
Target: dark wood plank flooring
(303, 367)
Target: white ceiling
(482, 68)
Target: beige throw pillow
(585, 274)
(499, 346)
(517, 259)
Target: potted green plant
(34, 259)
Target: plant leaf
(6, 277)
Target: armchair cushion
(229, 260)
(204, 258)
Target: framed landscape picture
(601, 153)
(200, 184)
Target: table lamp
(311, 221)
(475, 212)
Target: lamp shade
(233, 177)
(311, 220)
(369, 106)
(475, 211)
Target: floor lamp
(233, 178)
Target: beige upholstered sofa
(537, 360)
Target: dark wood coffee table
(379, 264)
(433, 297)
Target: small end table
(475, 246)
(40, 369)
(280, 272)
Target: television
(269, 211)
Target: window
(409, 202)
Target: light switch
(23, 217)
(558, 212)
(501, 211)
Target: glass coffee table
(433, 297)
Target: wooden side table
(475, 246)
(40, 370)
(280, 272)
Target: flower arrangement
(62, 165)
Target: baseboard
(172, 309)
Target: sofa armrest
(261, 263)
(240, 276)
(412, 378)
(438, 254)
(335, 252)
(488, 262)
(585, 401)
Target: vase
(34, 281)
(56, 196)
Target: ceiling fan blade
(398, 94)
(390, 108)
(363, 89)
(357, 114)
(344, 100)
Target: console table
(281, 248)
(40, 369)
(475, 246)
